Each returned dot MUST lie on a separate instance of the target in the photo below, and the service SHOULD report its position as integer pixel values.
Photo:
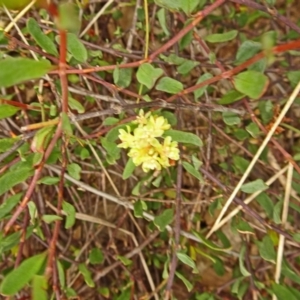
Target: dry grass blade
(284, 217)
(256, 157)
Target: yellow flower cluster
(145, 147)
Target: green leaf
(129, 168)
(96, 256)
(147, 75)
(76, 48)
(170, 116)
(186, 67)
(113, 134)
(173, 59)
(243, 288)
(231, 118)
(189, 5)
(223, 239)
(164, 219)
(294, 78)
(41, 139)
(139, 207)
(49, 180)
(169, 85)
(266, 110)
(122, 77)
(32, 210)
(266, 203)
(7, 205)
(191, 169)
(187, 283)
(76, 105)
(288, 272)
(8, 242)
(204, 296)
(282, 292)
(231, 97)
(296, 237)
(208, 243)
(50, 218)
(219, 266)
(125, 261)
(199, 92)
(266, 249)
(13, 177)
(277, 212)
(37, 159)
(161, 15)
(259, 66)
(240, 163)
(39, 287)
(173, 5)
(61, 274)
(109, 121)
(105, 292)
(74, 170)
(184, 137)
(17, 70)
(253, 129)
(268, 40)
(186, 39)
(69, 17)
(70, 214)
(40, 37)
(236, 285)
(243, 270)
(244, 227)
(251, 83)
(221, 37)
(113, 152)
(14, 281)
(86, 275)
(241, 134)
(125, 295)
(186, 259)
(84, 153)
(254, 186)
(6, 143)
(196, 162)
(7, 111)
(216, 204)
(247, 50)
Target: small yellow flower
(145, 148)
(151, 164)
(142, 118)
(170, 148)
(126, 137)
(159, 123)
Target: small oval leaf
(7, 110)
(186, 259)
(164, 219)
(191, 169)
(40, 37)
(76, 48)
(169, 85)
(129, 168)
(221, 37)
(254, 186)
(17, 70)
(148, 75)
(19, 277)
(251, 83)
(184, 137)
